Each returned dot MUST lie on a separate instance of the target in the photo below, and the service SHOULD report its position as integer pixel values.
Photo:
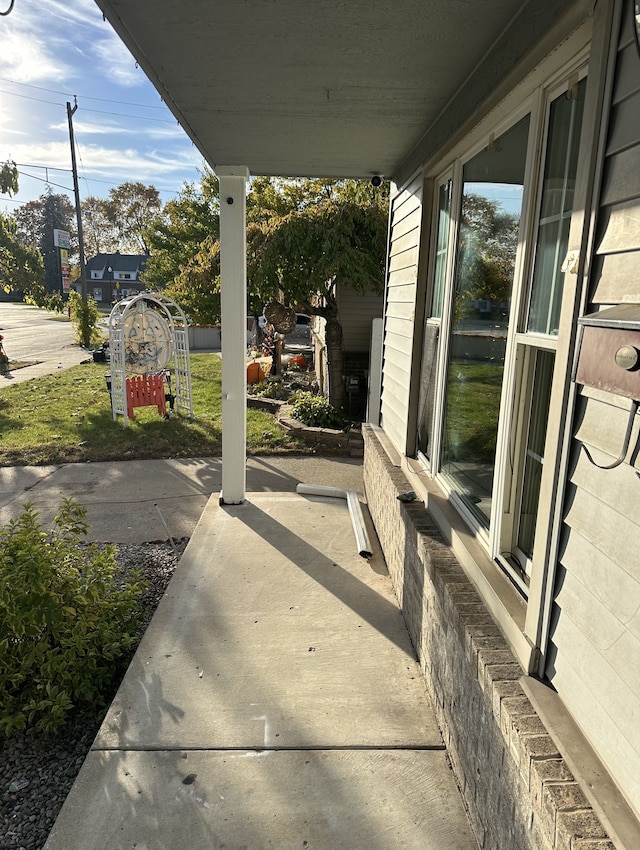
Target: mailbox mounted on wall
(609, 359)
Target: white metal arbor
(148, 335)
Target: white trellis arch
(171, 322)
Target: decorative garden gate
(148, 341)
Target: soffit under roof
(332, 88)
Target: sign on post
(61, 239)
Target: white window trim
(522, 623)
(576, 71)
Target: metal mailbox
(609, 357)
(609, 360)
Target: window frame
(454, 211)
(530, 342)
(523, 623)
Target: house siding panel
(620, 225)
(616, 279)
(594, 653)
(602, 428)
(607, 530)
(357, 311)
(622, 177)
(613, 702)
(406, 223)
(627, 82)
(624, 125)
(617, 592)
(406, 212)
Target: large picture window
(492, 188)
(501, 237)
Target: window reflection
(491, 207)
(565, 121)
(432, 330)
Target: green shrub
(269, 388)
(66, 622)
(315, 411)
(84, 318)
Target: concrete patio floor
(274, 702)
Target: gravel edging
(50, 763)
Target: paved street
(35, 336)
(31, 333)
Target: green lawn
(66, 417)
(473, 403)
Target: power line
(36, 165)
(81, 177)
(96, 111)
(135, 117)
(45, 180)
(85, 96)
(35, 99)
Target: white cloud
(52, 154)
(146, 166)
(62, 48)
(36, 39)
(11, 131)
(141, 130)
(166, 133)
(44, 43)
(84, 128)
(105, 162)
(26, 59)
(115, 62)
(78, 12)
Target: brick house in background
(114, 276)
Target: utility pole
(76, 192)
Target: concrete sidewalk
(138, 501)
(274, 702)
(50, 363)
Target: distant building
(114, 276)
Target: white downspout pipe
(233, 297)
(353, 503)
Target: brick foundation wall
(519, 793)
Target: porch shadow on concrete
(275, 701)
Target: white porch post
(233, 295)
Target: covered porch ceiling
(330, 88)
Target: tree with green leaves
(130, 207)
(305, 238)
(196, 288)
(9, 178)
(188, 226)
(487, 252)
(36, 221)
(100, 231)
(21, 267)
(333, 235)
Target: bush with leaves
(67, 622)
(269, 388)
(315, 411)
(84, 317)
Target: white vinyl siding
(594, 655)
(357, 312)
(406, 213)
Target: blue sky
(53, 50)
